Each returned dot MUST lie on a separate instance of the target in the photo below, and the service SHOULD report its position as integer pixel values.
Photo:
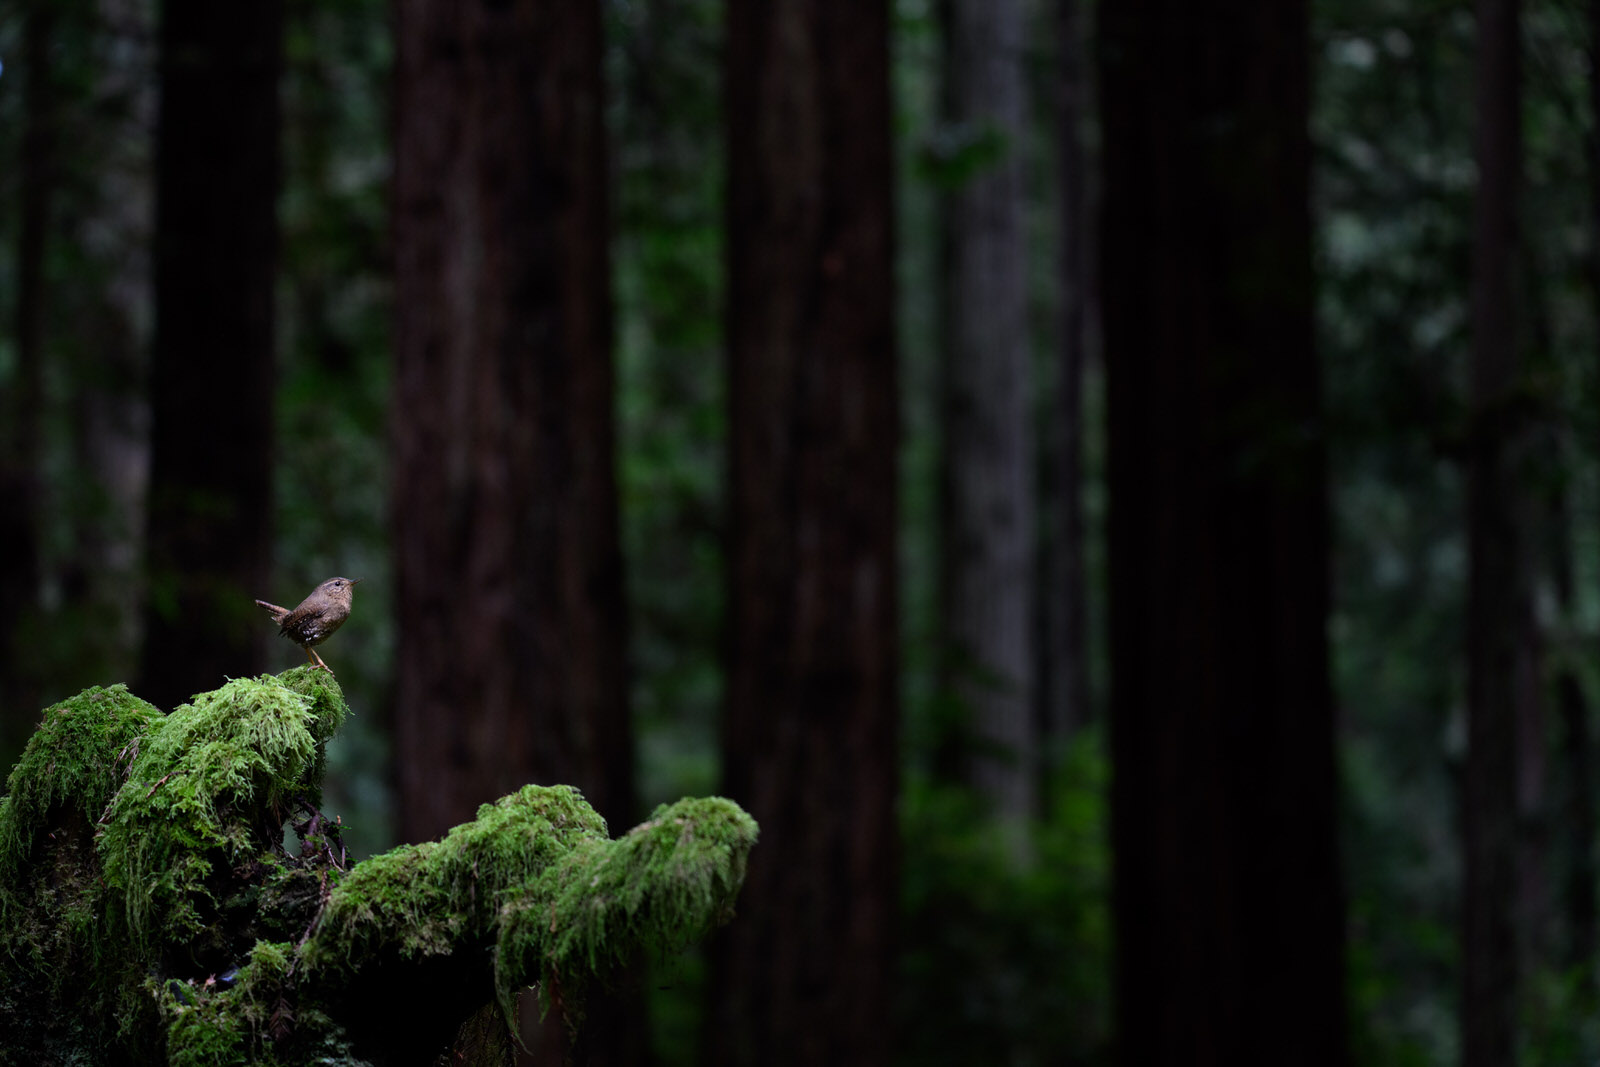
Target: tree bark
(19, 438)
(511, 646)
(209, 543)
(111, 343)
(988, 530)
(1497, 584)
(1583, 928)
(812, 702)
(1575, 825)
(1065, 673)
(511, 650)
(1227, 907)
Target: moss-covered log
(150, 911)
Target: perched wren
(318, 615)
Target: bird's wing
(299, 619)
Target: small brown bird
(318, 615)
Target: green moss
(53, 952)
(245, 748)
(202, 1028)
(662, 886)
(536, 874)
(154, 914)
(76, 758)
(511, 843)
(421, 900)
(243, 1017)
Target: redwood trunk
(511, 662)
(803, 975)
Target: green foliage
(153, 911)
(664, 75)
(1394, 185)
(1007, 961)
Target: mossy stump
(151, 913)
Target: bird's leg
(309, 654)
(321, 664)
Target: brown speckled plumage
(316, 617)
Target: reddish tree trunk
(803, 975)
(511, 662)
(510, 599)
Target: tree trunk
(987, 551)
(111, 342)
(1583, 930)
(1497, 586)
(1574, 819)
(512, 665)
(210, 508)
(1065, 673)
(1228, 912)
(19, 437)
(812, 702)
(511, 647)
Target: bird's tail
(276, 612)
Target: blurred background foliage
(999, 963)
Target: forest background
(1113, 489)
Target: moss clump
(141, 854)
(157, 917)
(664, 885)
(56, 969)
(536, 877)
(75, 760)
(248, 1015)
(209, 789)
(421, 900)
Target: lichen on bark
(152, 913)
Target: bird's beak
(353, 581)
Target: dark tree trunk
(512, 664)
(812, 703)
(1497, 586)
(1228, 912)
(111, 344)
(20, 402)
(19, 436)
(1065, 674)
(1582, 936)
(1574, 820)
(210, 508)
(988, 531)
(511, 650)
